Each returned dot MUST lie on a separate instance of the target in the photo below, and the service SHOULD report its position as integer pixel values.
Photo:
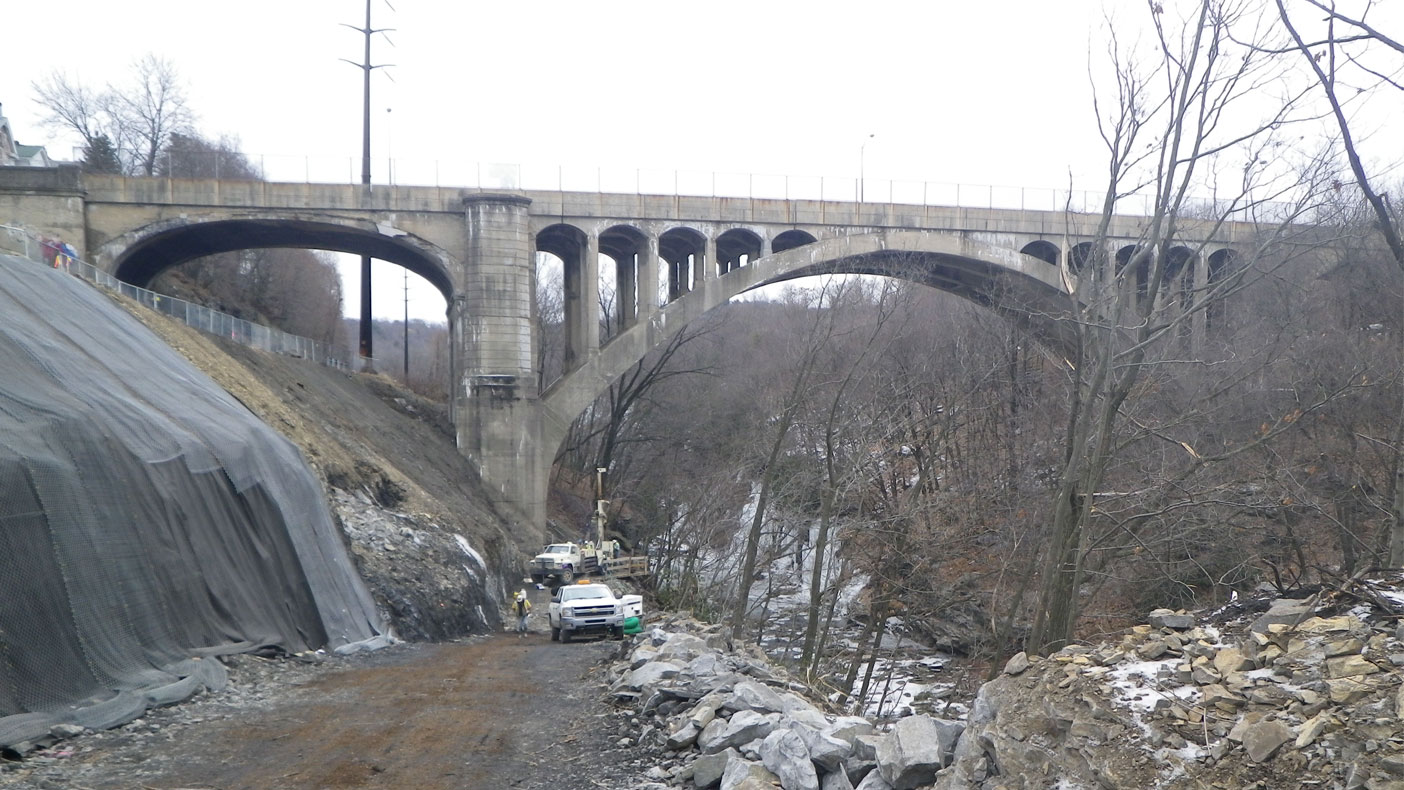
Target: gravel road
(488, 712)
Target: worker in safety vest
(521, 607)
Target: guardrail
(25, 244)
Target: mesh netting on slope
(147, 519)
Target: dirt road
(496, 712)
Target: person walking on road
(521, 607)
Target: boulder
(1263, 739)
(1350, 666)
(750, 695)
(683, 737)
(1311, 729)
(1393, 764)
(1284, 611)
(838, 780)
(1167, 618)
(702, 715)
(865, 745)
(1017, 664)
(706, 665)
(742, 728)
(1230, 660)
(1343, 691)
(873, 781)
(826, 752)
(650, 674)
(746, 775)
(707, 770)
(784, 754)
(915, 749)
(683, 647)
(846, 728)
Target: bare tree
(1170, 131)
(821, 330)
(139, 118)
(1327, 57)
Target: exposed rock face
(1298, 701)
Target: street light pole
(861, 177)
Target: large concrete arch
(139, 255)
(1028, 290)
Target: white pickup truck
(590, 609)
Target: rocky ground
(1268, 692)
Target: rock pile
(1299, 698)
(728, 718)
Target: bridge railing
(651, 181)
(25, 244)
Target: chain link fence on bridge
(25, 244)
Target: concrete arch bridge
(674, 258)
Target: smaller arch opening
(736, 248)
(1220, 266)
(620, 297)
(1044, 250)
(683, 251)
(791, 239)
(1079, 256)
(1135, 255)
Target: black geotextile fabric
(147, 519)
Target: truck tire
(567, 577)
(537, 578)
(565, 636)
(555, 634)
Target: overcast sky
(992, 92)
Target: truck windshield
(590, 591)
(557, 548)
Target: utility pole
(406, 327)
(365, 66)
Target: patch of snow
(1137, 684)
(468, 549)
(1264, 673)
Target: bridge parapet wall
(229, 193)
(44, 200)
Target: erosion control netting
(148, 521)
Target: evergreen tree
(100, 156)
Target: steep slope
(147, 519)
(412, 511)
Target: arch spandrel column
(590, 308)
(708, 269)
(494, 337)
(648, 277)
